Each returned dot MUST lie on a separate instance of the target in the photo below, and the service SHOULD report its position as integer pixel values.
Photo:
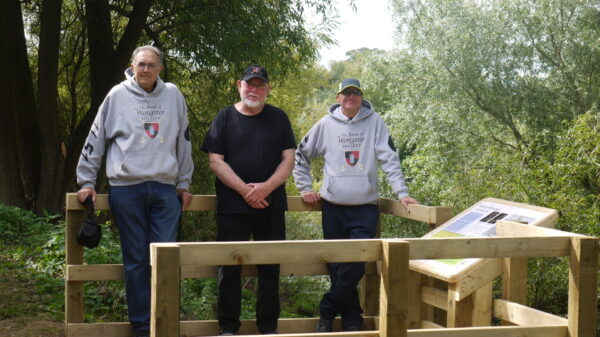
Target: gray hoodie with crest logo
(351, 149)
(145, 137)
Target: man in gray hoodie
(352, 139)
(142, 127)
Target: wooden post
(482, 305)
(166, 269)
(514, 281)
(459, 313)
(414, 300)
(394, 289)
(73, 255)
(369, 288)
(583, 275)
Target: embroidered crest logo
(151, 129)
(351, 157)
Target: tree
(75, 51)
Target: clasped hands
(256, 194)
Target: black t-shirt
(252, 146)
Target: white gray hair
(148, 48)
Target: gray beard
(252, 104)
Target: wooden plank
(514, 281)
(486, 271)
(369, 292)
(427, 214)
(73, 255)
(94, 272)
(113, 329)
(415, 282)
(114, 272)
(434, 297)
(428, 325)
(369, 285)
(510, 228)
(284, 326)
(287, 252)
(519, 314)
(514, 271)
(72, 203)
(458, 248)
(583, 292)
(164, 312)
(203, 203)
(482, 305)
(459, 313)
(393, 289)
(501, 331)
(296, 204)
(211, 327)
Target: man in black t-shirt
(251, 148)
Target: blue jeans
(346, 222)
(145, 213)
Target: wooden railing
(77, 272)
(401, 296)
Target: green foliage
(30, 264)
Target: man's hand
(407, 201)
(254, 203)
(311, 198)
(185, 197)
(257, 194)
(84, 193)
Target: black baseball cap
(255, 72)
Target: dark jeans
(346, 222)
(145, 213)
(266, 226)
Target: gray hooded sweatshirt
(351, 149)
(145, 137)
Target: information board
(479, 220)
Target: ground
(30, 327)
(20, 305)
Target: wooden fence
(396, 304)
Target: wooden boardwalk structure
(397, 300)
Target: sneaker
(226, 333)
(352, 328)
(271, 332)
(324, 325)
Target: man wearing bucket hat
(352, 139)
(250, 148)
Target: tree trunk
(34, 172)
(52, 158)
(19, 155)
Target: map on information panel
(479, 220)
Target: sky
(371, 26)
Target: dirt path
(30, 327)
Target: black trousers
(266, 226)
(346, 222)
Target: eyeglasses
(150, 66)
(256, 86)
(351, 93)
